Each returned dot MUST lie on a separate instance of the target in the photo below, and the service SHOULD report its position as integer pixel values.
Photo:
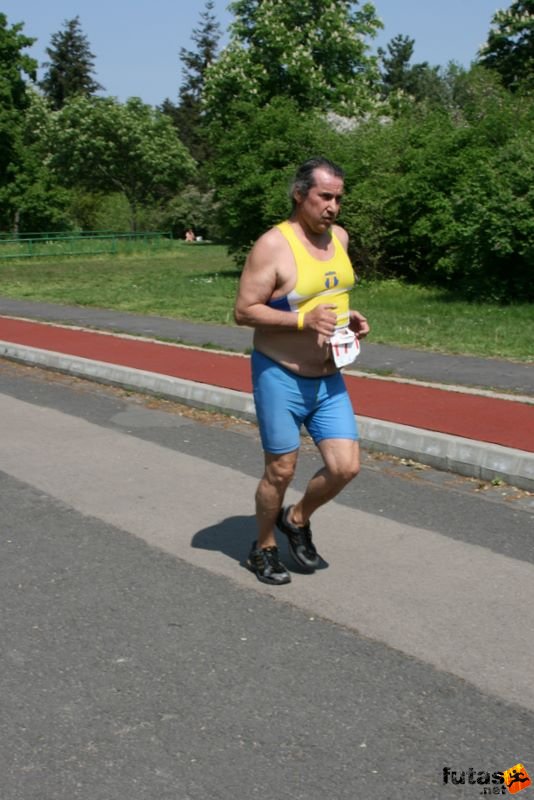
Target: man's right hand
(321, 319)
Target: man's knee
(342, 460)
(345, 472)
(280, 471)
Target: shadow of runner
(234, 536)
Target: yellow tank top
(317, 281)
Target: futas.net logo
(508, 781)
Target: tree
(71, 66)
(196, 62)
(101, 144)
(509, 49)
(33, 198)
(188, 114)
(193, 208)
(396, 65)
(310, 51)
(255, 164)
(446, 198)
(14, 66)
(400, 79)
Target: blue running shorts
(285, 401)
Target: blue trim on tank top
(280, 303)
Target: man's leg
(341, 464)
(279, 472)
(263, 558)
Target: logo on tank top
(331, 280)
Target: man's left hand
(358, 324)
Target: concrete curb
(467, 457)
(446, 452)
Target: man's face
(320, 208)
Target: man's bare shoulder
(341, 234)
(268, 248)
(271, 241)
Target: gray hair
(305, 179)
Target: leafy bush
(258, 150)
(447, 198)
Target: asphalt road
(141, 661)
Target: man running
(294, 291)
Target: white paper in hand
(345, 347)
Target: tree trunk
(16, 223)
(132, 202)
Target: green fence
(31, 245)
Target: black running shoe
(266, 565)
(300, 542)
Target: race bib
(345, 347)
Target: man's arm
(358, 323)
(259, 279)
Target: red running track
(486, 419)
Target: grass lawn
(198, 283)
